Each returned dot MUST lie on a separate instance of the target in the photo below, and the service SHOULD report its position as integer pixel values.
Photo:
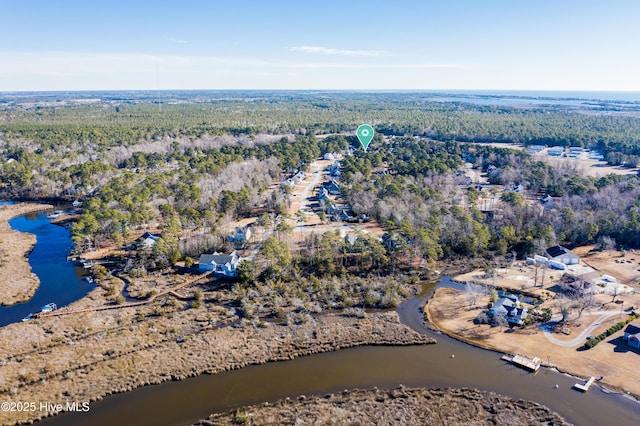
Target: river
(183, 402)
(60, 281)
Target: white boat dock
(532, 364)
(586, 386)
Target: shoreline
(438, 326)
(450, 406)
(115, 359)
(19, 283)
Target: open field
(450, 311)
(582, 164)
(396, 406)
(17, 282)
(625, 266)
(585, 166)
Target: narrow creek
(60, 281)
(184, 402)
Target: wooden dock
(523, 362)
(586, 386)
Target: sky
(329, 44)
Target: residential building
(510, 307)
(220, 264)
(632, 336)
(333, 187)
(147, 240)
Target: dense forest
(190, 167)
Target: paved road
(579, 339)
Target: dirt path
(171, 290)
(17, 282)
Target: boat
(55, 214)
(27, 318)
(531, 364)
(89, 279)
(49, 307)
(86, 263)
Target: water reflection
(177, 403)
(60, 281)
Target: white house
(220, 264)
(632, 336)
(147, 240)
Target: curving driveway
(604, 315)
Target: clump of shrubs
(610, 331)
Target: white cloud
(340, 52)
(64, 70)
(176, 40)
(51, 62)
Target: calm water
(605, 101)
(184, 402)
(60, 281)
(177, 403)
(549, 95)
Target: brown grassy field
(394, 407)
(87, 355)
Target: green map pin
(365, 134)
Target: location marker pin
(365, 134)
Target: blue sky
(464, 44)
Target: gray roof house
(510, 307)
(333, 187)
(220, 264)
(322, 194)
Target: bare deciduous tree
(473, 291)
(584, 301)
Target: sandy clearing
(17, 282)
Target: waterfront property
(510, 307)
(220, 264)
